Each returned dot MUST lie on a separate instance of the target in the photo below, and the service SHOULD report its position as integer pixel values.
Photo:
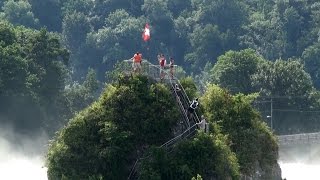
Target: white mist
(300, 171)
(22, 158)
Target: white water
(25, 161)
(19, 167)
(21, 160)
(300, 171)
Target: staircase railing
(182, 100)
(167, 145)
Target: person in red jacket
(162, 63)
(137, 59)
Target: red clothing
(162, 62)
(137, 58)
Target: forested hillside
(98, 34)
(249, 61)
(133, 118)
(33, 77)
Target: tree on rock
(104, 140)
(251, 140)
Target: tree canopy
(133, 117)
(55, 54)
(251, 139)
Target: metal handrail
(195, 117)
(182, 108)
(157, 67)
(164, 145)
(178, 99)
(180, 135)
(188, 100)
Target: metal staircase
(182, 100)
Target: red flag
(146, 33)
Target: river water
(22, 168)
(16, 164)
(22, 158)
(300, 171)
(18, 167)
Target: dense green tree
(102, 140)
(81, 6)
(118, 40)
(212, 34)
(279, 33)
(195, 33)
(225, 14)
(103, 8)
(1, 2)
(311, 60)
(19, 13)
(264, 35)
(291, 88)
(13, 69)
(32, 78)
(80, 95)
(234, 70)
(160, 17)
(189, 87)
(179, 6)
(7, 34)
(282, 78)
(207, 43)
(251, 140)
(197, 178)
(259, 6)
(75, 27)
(49, 13)
(207, 155)
(204, 78)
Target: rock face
(276, 172)
(265, 175)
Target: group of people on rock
(163, 64)
(137, 67)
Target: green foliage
(49, 13)
(263, 35)
(75, 27)
(19, 13)
(190, 87)
(102, 140)
(226, 14)
(204, 78)
(291, 88)
(7, 34)
(234, 70)
(32, 77)
(83, 6)
(158, 13)
(207, 155)
(244, 127)
(311, 61)
(108, 45)
(80, 95)
(197, 178)
(277, 32)
(282, 78)
(100, 33)
(203, 41)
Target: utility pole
(271, 114)
(271, 106)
